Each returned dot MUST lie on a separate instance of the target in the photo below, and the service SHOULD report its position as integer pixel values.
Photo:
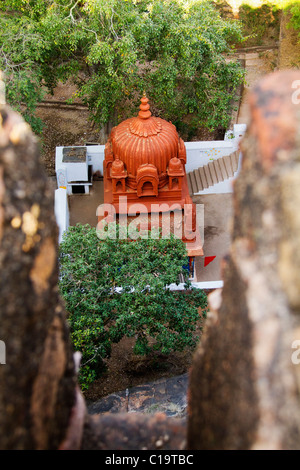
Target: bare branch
(71, 12)
(112, 26)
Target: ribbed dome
(145, 139)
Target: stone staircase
(214, 172)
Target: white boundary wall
(199, 153)
(199, 285)
(95, 156)
(61, 210)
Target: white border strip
(199, 285)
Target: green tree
(114, 49)
(19, 56)
(260, 24)
(174, 50)
(118, 287)
(294, 9)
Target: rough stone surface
(168, 396)
(134, 431)
(37, 382)
(244, 388)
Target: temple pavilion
(144, 172)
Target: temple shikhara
(144, 166)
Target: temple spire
(144, 112)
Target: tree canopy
(120, 287)
(113, 50)
(294, 9)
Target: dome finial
(144, 112)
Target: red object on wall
(208, 259)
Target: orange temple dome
(144, 164)
(144, 139)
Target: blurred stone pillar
(38, 381)
(244, 386)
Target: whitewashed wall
(201, 153)
(95, 154)
(198, 153)
(61, 210)
(95, 157)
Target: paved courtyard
(216, 243)
(83, 207)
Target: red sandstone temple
(145, 162)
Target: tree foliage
(119, 287)
(294, 9)
(115, 49)
(260, 23)
(19, 57)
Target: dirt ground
(126, 370)
(289, 50)
(63, 124)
